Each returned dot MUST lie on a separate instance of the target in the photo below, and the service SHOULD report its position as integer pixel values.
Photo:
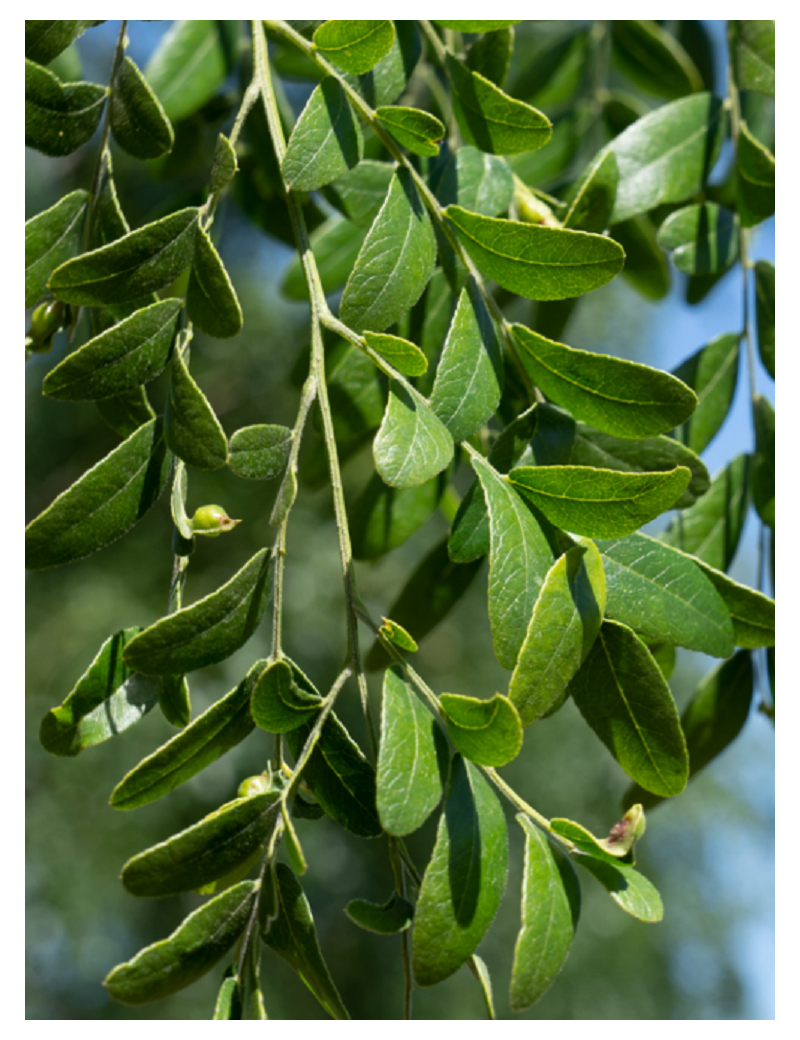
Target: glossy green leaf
(474, 26)
(624, 698)
(59, 117)
(653, 59)
(413, 758)
(492, 120)
(359, 194)
(599, 503)
(106, 700)
(51, 238)
(540, 263)
(416, 130)
(394, 263)
(646, 267)
(211, 302)
(487, 732)
(765, 313)
(519, 560)
(191, 428)
(465, 879)
(45, 40)
(491, 57)
(279, 704)
(763, 473)
(383, 84)
(755, 186)
(127, 412)
(355, 47)
(204, 852)
(185, 956)
(174, 700)
(392, 917)
(477, 181)
(664, 596)
(190, 64)
(752, 613)
(712, 527)
(627, 887)
(412, 445)
(591, 200)
(667, 155)
(469, 378)
(712, 373)
(326, 141)
(551, 903)
(401, 354)
(563, 626)
(753, 55)
(129, 354)
(209, 630)
(225, 164)
(221, 727)
(619, 397)
(704, 239)
(103, 504)
(138, 122)
(292, 936)
(335, 245)
(383, 517)
(141, 262)
(260, 452)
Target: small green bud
(253, 785)
(211, 521)
(46, 320)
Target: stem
(313, 736)
(523, 806)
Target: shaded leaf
(755, 185)
(412, 445)
(487, 732)
(224, 166)
(259, 452)
(627, 887)
(190, 63)
(59, 117)
(278, 703)
(45, 40)
(335, 245)
(52, 237)
(139, 123)
(477, 181)
(591, 201)
(712, 373)
(355, 47)
(763, 474)
(653, 59)
(416, 130)
(191, 428)
(211, 302)
(474, 26)
(646, 266)
(752, 613)
(326, 141)
(388, 919)
(229, 999)
(127, 412)
(384, 517)
(359, 194)
(765, 313)
(704, 239)
(491, 57)
(753, 55)
(174, 700)
(387, 80)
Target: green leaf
(416, 130)
(712, 373)
(477, 181)
(714, 717)
(618, 844)
(221, 727)
(383, 84)
(519, 560)
(225, 165)
(127, 412)
(103, 504)
(752, 613)
(51, 237)
(755, 185)
(540, 263)
(474, 26)
(491, 57)
(487, 732)
(413, 758)
(326, 141)
(664, 596)
(260, 452)
(359, 194)
(59, 117)
(398, 635)
(107, 699)
(401, 354)
(653, 59)
(646, 266)
(763, 478)
(599, 503)
(465, 879)
(355, 47)
(492, 120)
(294, 850)
(619, 397)
(384, 517)
(209, 630)
(143, 261)
(624, 698)
(335, 245)
(229, 999)
(45, 40)
(394, 263)
(481, 975)
(469, 377)
(412, 445)
(551, 903)
(174, 700)
(753, 55)
(139, 123)
(712, 527)
(388, 919)
(564, 624)
(765, 313)
(668, 154)
(191, 428)
(292, 935)
(591, 201)
(704, 239)
(190, 64)
(279, 704)
(185, 956)
(627, 887)
(211, 301)
(123, 358)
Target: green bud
(211, 521)
(46, 320)
(253, 785)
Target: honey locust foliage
(423, 229)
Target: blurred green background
(710, 853)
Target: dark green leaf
(211, 301)
(384, 84)
(103, 504)
(487, 732)
(395, 261)
(185, 956)
(416, 130)
(191, 428)
(128, 412)
(551, 903)
(384, 517)
(753, 55)
(627, 887)
(704, 239)
(412, 445)
(355, 47)
(623, 696)
(653, 59)
(44, 41)
(221, 727)
(413, 758)
(752, 613)
(763, 479)
(51, 238)
(59, 117)
(229, 999)
(225, 164)
(540, 263)
(260, 452)
(765, 313)
(138, 121)
(326, 141)
(474, 26)
(465, 879)
(141, 262)
(663, 595)
(190, 63)
(646, 267)
(208, 631)
(755, 185)
(477, 181)
(389, 919)
(293, 936)
(359, 194)
(335, 245)
(711, 372)
(174, 700)
(591, 199)
(279, 704)
(491, 57)
(406, 357)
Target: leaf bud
(254, 785)
(211, 521)
(46, 320)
